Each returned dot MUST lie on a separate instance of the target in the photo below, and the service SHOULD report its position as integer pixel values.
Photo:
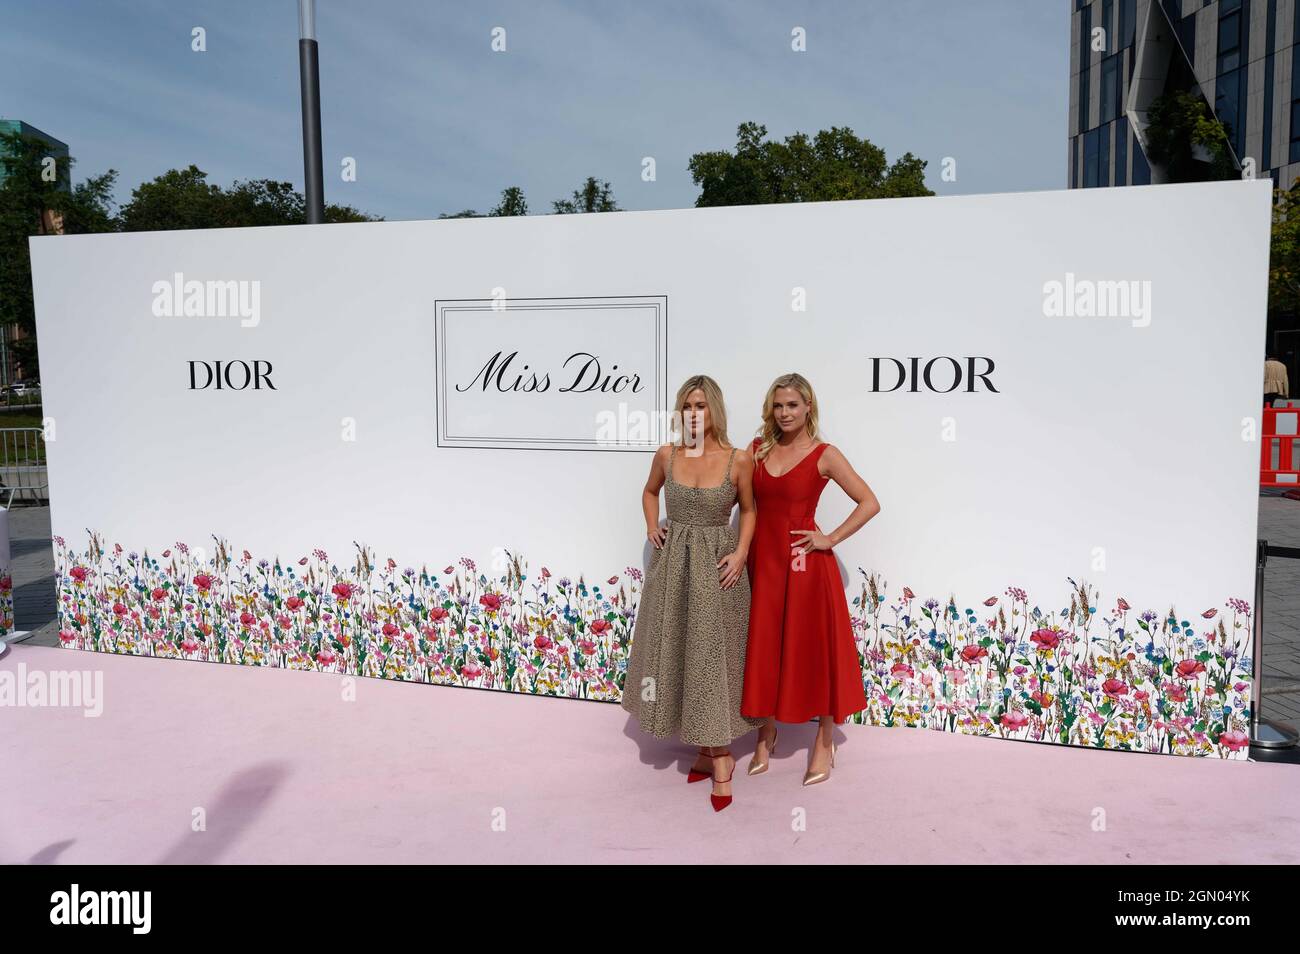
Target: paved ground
(1279, 524)
(33, 572)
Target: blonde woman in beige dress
(687, 660)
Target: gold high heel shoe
(812, 778)
(758, 768)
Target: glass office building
(1237, 55)
(57, 147)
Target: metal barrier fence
(22, 465)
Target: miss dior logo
(550, 373)
(583, 373)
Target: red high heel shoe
(695, 775)
(720, 802)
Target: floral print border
(1109, 678)
(6, 602)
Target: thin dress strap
(730, 461)
(671, 455)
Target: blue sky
(437, 122)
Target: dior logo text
(179, 298)
(102, 907)
(231, 375)
(941, 375)
(582, 371)
(1085, 298)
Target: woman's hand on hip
(656, 535)
(807, 540)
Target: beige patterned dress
(687, 659)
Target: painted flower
(973, 653)
(1114, 688)
(1045, 640)
(1234, 740)
(1189, 669)
(1014, 719)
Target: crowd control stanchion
(1264, 733)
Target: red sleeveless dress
(801, 661)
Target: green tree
(88, 209)
(593, 196)
(1183, 136)
(1284, 253)
(184, 199)
(512, 202)
(834, 164)
(177, 199)
(32, 203)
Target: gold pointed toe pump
(758, 768)
(812, 778)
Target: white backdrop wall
(1115, 450)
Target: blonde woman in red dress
(801, 660)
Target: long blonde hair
(769, 432)
(717, 408)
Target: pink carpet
(286, 771)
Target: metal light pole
(309, 74)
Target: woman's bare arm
(836, 466)
(838, 469)
(733, 564)
(650, 496)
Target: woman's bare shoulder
(832, 456)
(662, 454)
